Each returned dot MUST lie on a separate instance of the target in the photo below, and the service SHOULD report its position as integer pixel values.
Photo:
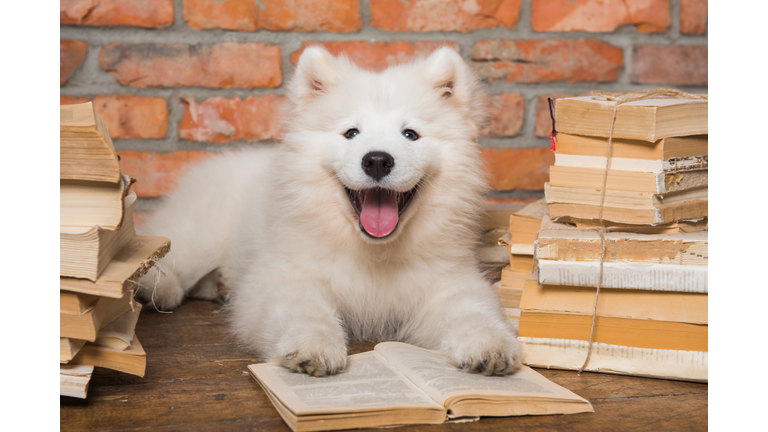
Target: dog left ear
(449, 75)
(316, 70)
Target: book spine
(570, 354)
(648, 276)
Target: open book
(397, 384)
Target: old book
(630, 181)
(400, 384)
(86, 252)
(74, 380)
(663, 149)
(85, 204)
(75, 303)
(524, 224)
(509, 297)
(69, 348)
(625, 275)
(683, 226)
(86, 151)
(627, 207)
(132, 360)
(119, 333)
(86, 325)
(638, 333)
(124, 271)
(689, 308)
(514, 279)
(646, 120)
(585, 245)
(665, 166)
(606, 358)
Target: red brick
(133, 13)
(648, 16)
(506, 111)
(675, 64)
(127, 116)
(532, 61)
(378, 55)
(224, 65)
(133, 116)
(157, 174)
(72, 54)
(444, 15)
(69, 100)
(693, 16)
(276, 15)
(218, 119)
(518, 168)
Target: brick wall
(179, 80)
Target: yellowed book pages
(124, 271)
(69, 348)
(85, 204)
(85, 326)
(616, 359)
(630, 181)
(660, 215)
(514, 279)
(74, 380)
(646, 120)
(665, 148)
(575, 244)
(670, 228)
(75, 303)
(399, 384)
(86, 252)
(119, 333)
(689, 308)
(86, 151)
(650, 334)
(132, 360)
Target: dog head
(387, 140)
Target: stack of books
(651, 314)
(518, 244)
(102, 258)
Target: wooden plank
(196, 378)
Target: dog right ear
(316, 71)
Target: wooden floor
(196, 379)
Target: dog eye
(351, 133)
(410, 134)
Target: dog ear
(316, 71)
(449, 75)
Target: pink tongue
(379, 215)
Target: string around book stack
(620, 98)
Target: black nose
(378, 164)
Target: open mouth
(379, 209)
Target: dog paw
(318, 362)
(214, 286)
(488, 353)
(163, 293)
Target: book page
(441, 380)
(367, 383)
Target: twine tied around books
(619, 98)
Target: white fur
(278, 225)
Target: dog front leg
(466, 323)
(293, 325)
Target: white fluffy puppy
(360, 225)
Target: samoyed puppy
(360, 226)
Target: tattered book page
(442, 381)
(368, 383)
